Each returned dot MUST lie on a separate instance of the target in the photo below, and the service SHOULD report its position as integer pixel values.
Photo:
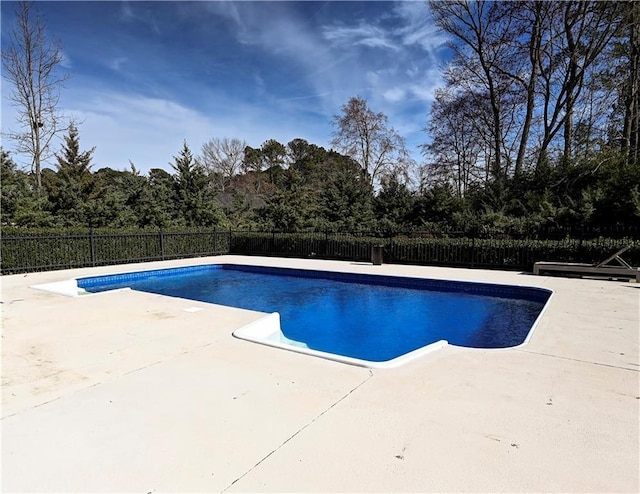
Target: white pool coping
(268, 329)
(68, 288)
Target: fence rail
(41, 252)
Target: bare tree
(631, 127)
(581, 31)
(454, 154)
(363, 135)
(223, 158)
(618, 76)
(521, 62)
(481, 46)
(31, 62)
(533, 62)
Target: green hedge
(506, 253)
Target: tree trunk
(571, 83)
(631, 130)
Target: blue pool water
(369, 317)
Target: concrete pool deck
(134, 392)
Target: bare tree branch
(30, 63)
(223, 159)
(363, 135)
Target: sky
(148, 76)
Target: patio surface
(129, 392)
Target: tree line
(294, 186)
(299, 186)
(536, 126)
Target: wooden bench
(622, 270)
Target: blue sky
(145, 76)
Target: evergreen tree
(393, 205)
(292, 206)
(157, 206)
(20, 203)
(120, 196)
(73, 190)
(346, 198)
(196, 204)
(439, 207)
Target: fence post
(230, 236)
(92, 244)
(215, 240)
(161, 239)
(580, 246)
(473, 249)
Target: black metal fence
(25, 252)
(455, 249)
(49, 251)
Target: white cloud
(417, 27)
(394, 94)
(147, 131)
(398, 79)
(373, 77)
(150, 131)
(65, 60)
(363, 34)
(117, 63)
(423, 92)
(131, 12)
(424, 86)
(126, 12)
(335, 62)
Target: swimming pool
(363, 319)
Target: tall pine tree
(194, 194)
(72, 190)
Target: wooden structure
(604, 269)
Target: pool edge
(275, 336)
(267, 331)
